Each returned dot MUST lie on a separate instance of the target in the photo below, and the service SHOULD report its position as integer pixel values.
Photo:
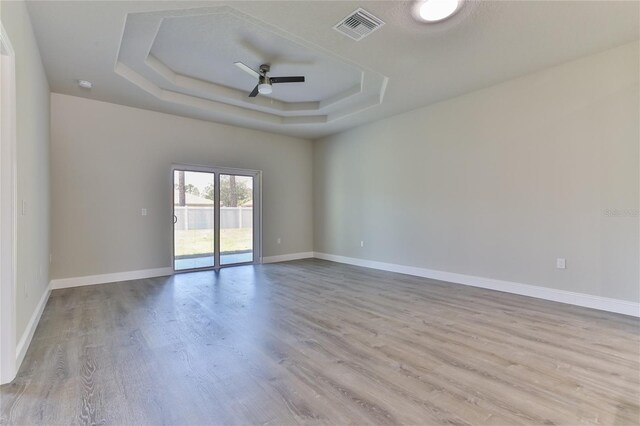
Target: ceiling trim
(220, 93)
(209, 105)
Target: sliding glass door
(193, 219)
(216, 217)
(236, 219)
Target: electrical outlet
(24, 208)
(361, 243)
(143, 212)
(561, 263)
(279, 240)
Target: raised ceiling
(177, 56)
(231, 37)
(187, 57)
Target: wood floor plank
(314, 342)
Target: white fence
(190, 217)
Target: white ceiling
(186, 57)
(403, 65)
(206, 47)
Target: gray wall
(110, 161)
(498, 183)
(32, 92)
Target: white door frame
(257, 212)
(8, 215)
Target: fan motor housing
(264, 80)
(265, 68)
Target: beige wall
(110, 161)
(498, 183)
(32, 131)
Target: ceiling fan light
(265, 89)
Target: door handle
(175, 219)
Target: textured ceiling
(183, 65)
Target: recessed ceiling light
(437, 10)
(85, 84)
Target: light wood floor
(318, 342)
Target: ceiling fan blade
(247, 69)
(254, 92)
(287, 79)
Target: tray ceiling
(187, 57)
(176, 56)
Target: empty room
(320, 212)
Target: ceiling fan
(264, 81)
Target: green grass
(200, 241)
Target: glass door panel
(236, 219)
(194, 219)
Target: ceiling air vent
(359, 24)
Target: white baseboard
(25, 339)
(287, 257)
(110, 278)
(562, 296)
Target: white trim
(8, 215)
(25, 340)
(110, 278)
(562, 296)
(288, 257)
